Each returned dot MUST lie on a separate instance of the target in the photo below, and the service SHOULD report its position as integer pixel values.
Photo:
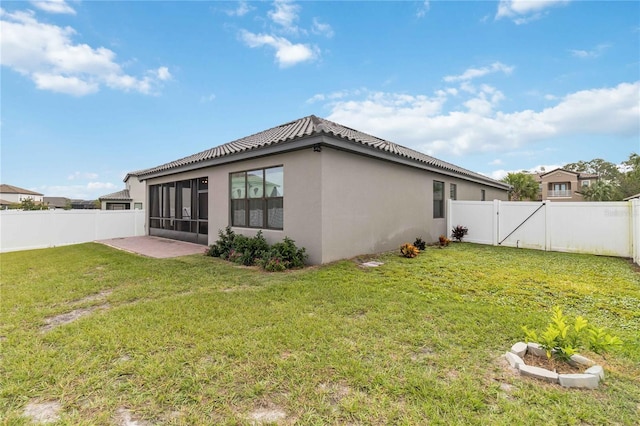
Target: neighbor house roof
(117, 196)
(632, 197)
(57, 202)
(580, 175)
(10, 189)
(304, 128)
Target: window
(256, 198)
(585, 183)
(438, 199)
(179, 206)
(483, 195)
(453, 191)
(137, 206)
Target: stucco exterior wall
(137, 191)
(17, 198)
(339, 204)
(302, 211)
(371, 205)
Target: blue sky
(92, 90)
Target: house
(57, 202)
(336, 191)
(132, 197)
(10, 194)
(632, 197)
(564, 185)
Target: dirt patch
(125, 418)
(92, 298)
(553, 364)
(421, 354)
(267, 415)
(335, 391)
(69, 317)
(43, 412)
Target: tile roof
(10, 189)
(120, 195)
(311, 126)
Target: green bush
(250, 251)
(284, 253)
(562, 340)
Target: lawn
(196, 340)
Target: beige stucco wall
(371, 205)
(17, 198)
(137, 191)
(338, 204)
(302, 213)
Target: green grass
(195, 340)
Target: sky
(91, 90)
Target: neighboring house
(632, 197)
(564, 185)
(57, 202)
(336, 191)
(83, 205)
(132, 197)
(14, 195)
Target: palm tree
(524, 186)
(599, 191)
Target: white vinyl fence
(25, 230)
(603, 228)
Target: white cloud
(285, 14)
(496, 162)
(287, 53)
(46, 54)
(423, 9)
(472, 73)
(421, 122)
(208, 98)
(322, 29)
(593, 53)
(54, 6)
(501, 173)
(242, 9)
(524, 11)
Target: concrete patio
(159, 248)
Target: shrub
(284, 254)
(250, 250)
(409, 250)
(224, 245)
(420, 244)
(459, 232)
(443, 241)
(562, 340)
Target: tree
(524, 186)
(600, 191)
(630, 177)
(605, 170)
(29, 204)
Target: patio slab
(157, 247)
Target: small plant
(409, 250)
(459, 232)
(284, 255)
(562, 340)
(443, 241)
(420, 244)
(224, 245)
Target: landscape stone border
(589, 379)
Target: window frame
(453, 191)
(248, 201)
(438, 212)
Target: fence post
(635, 230)
(449, 216)
(496, 222)
(547, 224)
